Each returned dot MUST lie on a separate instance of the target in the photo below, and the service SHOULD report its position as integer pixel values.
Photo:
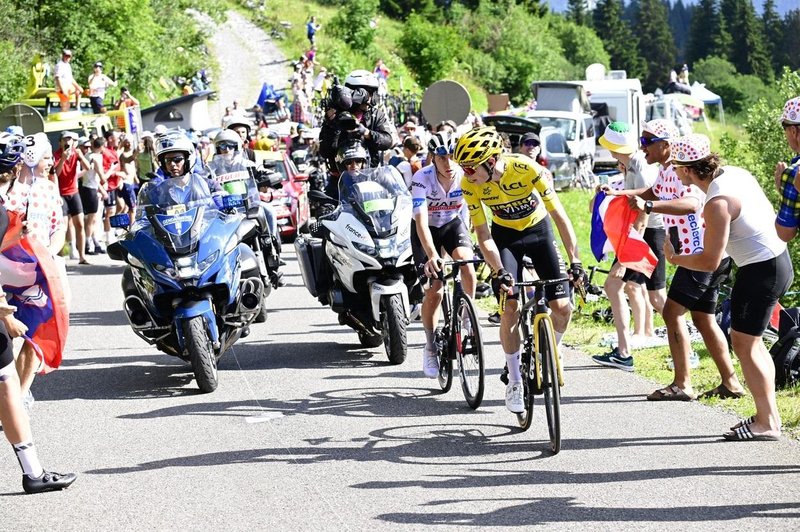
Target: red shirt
(68, 177)
(109, 158)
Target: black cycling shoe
(48, 481)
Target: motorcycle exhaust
(250, 298)
(137, 313)
(346, 318)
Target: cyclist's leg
(458, 244)
(543, 250)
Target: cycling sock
(559, 336)
(430, 338)
(512, 361)
(28, 459)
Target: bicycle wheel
(550, 386)
(528, 385)
(445, 376)
(469, 350)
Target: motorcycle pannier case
(310, 256)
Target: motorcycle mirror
(122, 221)
(321, 197)
(115, 251)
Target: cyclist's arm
(420, 203)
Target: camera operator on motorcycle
(231, 171)
(353, 114)
(439, 215)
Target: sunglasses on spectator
(226, 146)
(530, 143)
(647, 141)
(174, 160)
(443, 150)
(787, 125)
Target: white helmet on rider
(362, 79)
(442, 143)
(230, 138)
(175, 142)
(350, 152)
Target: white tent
(700, 91)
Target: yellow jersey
(521, 199)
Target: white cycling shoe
(430, 364)
(514, 401)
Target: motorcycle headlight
(133, 261)
(204, 264)
(166, 270)
(369, 250)
(387, 247)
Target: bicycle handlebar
(539, 283)
(442, 263)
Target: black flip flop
(744, 433)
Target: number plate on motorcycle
(176, 209)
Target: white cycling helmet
(442, 143)
(362, 79)
(36, 147)
(174, 142)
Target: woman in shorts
(765, 269)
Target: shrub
(352, 23)
(429, 49)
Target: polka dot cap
(689, 149)
(791, 111)
(663, 129)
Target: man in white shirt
(66, 85)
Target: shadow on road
(105, 318)
(561, 510)
(95, 269)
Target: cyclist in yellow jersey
(520, 198)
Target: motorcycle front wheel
(204, 363)
(394, 328)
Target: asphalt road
(308, 431)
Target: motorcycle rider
(365, 121)
(350, 157)
(242, 128)
(229, 161)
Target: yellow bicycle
(541, 365)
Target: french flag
(30, 277)
(612, 231)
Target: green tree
(773, 33)
(658, 50)
(429, 49)
(738, 91)
(748, 52)
(620, 42)
(582, 47)
(578, 12)
(352, 24)
(708, 34)
(402, 8)
(537, 8)
(790, 46)
(680, 20)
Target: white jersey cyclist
(429, 197)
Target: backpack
(786, 351)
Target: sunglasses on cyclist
(647, 141)
(469, 170)
(442, 151)
(226, 146)
(178, 159)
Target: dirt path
(247, 57)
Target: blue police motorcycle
(192, 287)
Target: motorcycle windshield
(177, 211)
(373, 195)
(236, 178)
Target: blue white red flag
(30, 278)
(612, 231)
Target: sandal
(722, 392)
(670, 393)
(743, 422)
(744, 433)
(84, 261)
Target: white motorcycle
(359, 260)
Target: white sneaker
(514, 401)
(414, 313)
(430, 364)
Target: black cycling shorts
(658, 280)
(756, 291)
(538, 244)
(72, 204)
(111, 199)
(698, 291)
(6, 348)
(448, 237)
(89, 199)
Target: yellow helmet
(476, 146)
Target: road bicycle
(541, 364)
(460, 337)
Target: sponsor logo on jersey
(694, 227)
(418, 202)
(514, 188)
(516, 209)
(520, 167)
(487, 190)
(455, 194)
(417, 184)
